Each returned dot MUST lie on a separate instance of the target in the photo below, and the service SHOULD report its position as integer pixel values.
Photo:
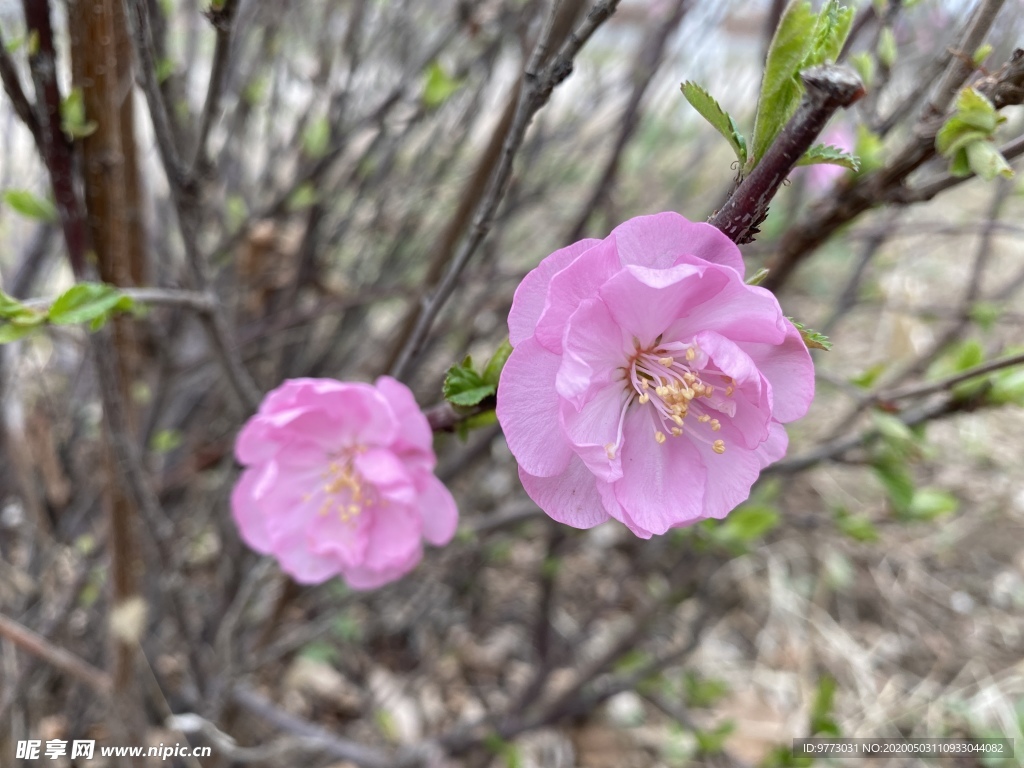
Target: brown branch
(12, 85)
(64, 660)
(223, 20)
(55, 147)
(828, 89)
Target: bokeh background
(873, 585)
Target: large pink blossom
(340, 481)
(648, 383)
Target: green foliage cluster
(804, 39)
(967, 138)
(92, 303)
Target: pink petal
(570, 497)
(740, 312)
(528, 410)
(532, 293)
(394, 538)
(752, 417)
(383, 470)
(438, 512)
(615, 510)
(729, 477)
(774, 448)
(663, 484)
(363, 578)
(789, 368)
(646, 302)
(572, 286)
(595, 351)
(245, 509)
(665, 239)
(593, 432)
(414, 435)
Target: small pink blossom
(648, 383)
(339, 481)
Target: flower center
(344, 491)
(675, 380)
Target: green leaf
(758, 277)
(304, 196)
(720, 120)
(712, 742)
(812, 339)
(958, 358)
(931, 503)
(780, 86)
(12, 332)
(857, 527)
(895, 477)
(830, 33)
(316, 138)
(27, 204)
(165, 441)
(868, 378)
(821, 710)
(744, 526)
(464, 386)
(72, 116)
(886, 50)
(987, 161)
(864, 63)
(1008, 387)
(86, 303)
(439, 86)
(497, 362)
(703, 692)
(869, 148)
(825, 154)
(981, 54)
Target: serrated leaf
(720, 120)
(28, 204)
(826, 154)
(439, 86)
(830, 33)
(492, 372)
(812, 339)
(464, 386)
(86, 303)
(780, 86)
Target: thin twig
(535, 94)
(949, 382)
(222, 19)
(172, 297)
(64, 660)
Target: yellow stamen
(715, 425)
(659, 437)
(609, 450)
(644, 399)
(718, 446)
(704, 418)
(676, 431)
(668, 362)
(691, 355)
